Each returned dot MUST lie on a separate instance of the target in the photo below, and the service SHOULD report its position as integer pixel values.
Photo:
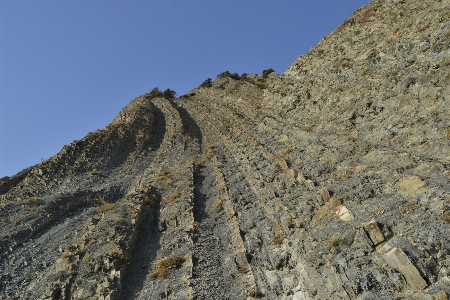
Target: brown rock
(373, 231)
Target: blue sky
(68, 67)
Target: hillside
(329, 181)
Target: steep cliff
(329, 181)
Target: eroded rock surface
(329, 181)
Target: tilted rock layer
(329, 181)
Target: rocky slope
(329, 181)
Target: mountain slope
(329, 181)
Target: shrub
(163, 265)
(207, 83)
(446, 217)
(218, 203)
(334, 241)
(227, 74)
(266, 73)
(277, 240)
(34, 201)
(168, 93)
(105, 206)
(96, 173)
(156, 92)
(447, 133)
(254, 293)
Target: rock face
(330, 181)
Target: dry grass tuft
(345, 64)
(345, 174)
(171, 198)
(133, 213)
(410, 207)
(117, 220)
(254, 293)
(69, 250)
(105, 206)
(446, 217)
(422, 28)
(286, 151)
(163, 176)
(447, 133)
(96, 173)
(277, 240)
(34, 201)
(210, 151)
(162, 266)
(334, 241)
(218, 203)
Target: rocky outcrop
(329, 181)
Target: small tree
(226, 74)
(207, 83)
(266, 73)
(169, 94)
(156, 92)
(243, 76)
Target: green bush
(156, 92)
(207, 83)
(169, 94)
(226, 74)
(266, 73)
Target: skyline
(68, 68)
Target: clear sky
(68, 67)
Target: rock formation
(329, 181)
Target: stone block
(440, 296)
(300, 178)
(373, 231)
(329, 209)
(291, 173)
(319, 200)
(241, 260)
(344, 214)
(272, 279)
(413, 277)
(309, 184)
(283, 164)
(412, 185)
(396, 258)
(288, 281)
(323, 192)
(423, 296)
(383, 248)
